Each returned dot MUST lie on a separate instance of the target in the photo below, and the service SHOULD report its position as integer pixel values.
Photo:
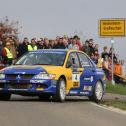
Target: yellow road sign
(112, 28)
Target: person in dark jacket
(91, 47)
(60, 44)
(105, 53)
(1, 47)
(86, 47)
(22, 48)
(46, 44)
(40, 44)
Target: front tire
(97, 93)
(5, 96)
(60, 91)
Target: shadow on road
(16, 98)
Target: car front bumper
(29, 87)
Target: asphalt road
(25, 111)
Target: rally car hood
(53, 69)
(21, 69)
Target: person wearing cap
(40, 44)
(6, 54)
(32, 46)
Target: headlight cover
(44, 76)
(2, 76)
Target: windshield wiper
(43, 64)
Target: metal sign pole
(112, 46)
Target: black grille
(19, 86)
(18, 81)
(22, 76)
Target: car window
(73, 59)
(84, 60)
(42, 58)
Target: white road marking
(110, 108)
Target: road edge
(110, 108)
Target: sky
(41, 18)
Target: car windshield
(55, 58)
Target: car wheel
(60, 91)
(5, 96)
(97, 93)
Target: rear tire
(97, 93)
(60, 91)
(5, 96)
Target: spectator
(22, 48)
(92, 57)
(65, 43)
(96, 47)
(55, 44)
(114, 56)
(13, 47)
(74, 45)
(105, 66)
(100, 62)
(52, 44)
(117, 71)
(6, 54)
(110, 69)
(79, 43)
(96, 56)
(91, 47)
(39, 44)
(123, 68)
(86, 47)
(60, 44)
(105, 53)
(32, 46)
(1, 47)
(46, 44)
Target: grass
(116, 104)
(115, 89)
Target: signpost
(111, 28)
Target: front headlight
(44, 76)
(2, 76)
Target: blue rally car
(56, 73)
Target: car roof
(52, 50)
(56, 50)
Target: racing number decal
(76, 77)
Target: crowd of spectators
(11, 50)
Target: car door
(74, 65)
(88, 74)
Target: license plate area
(19, 86)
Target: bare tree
(8, 29)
